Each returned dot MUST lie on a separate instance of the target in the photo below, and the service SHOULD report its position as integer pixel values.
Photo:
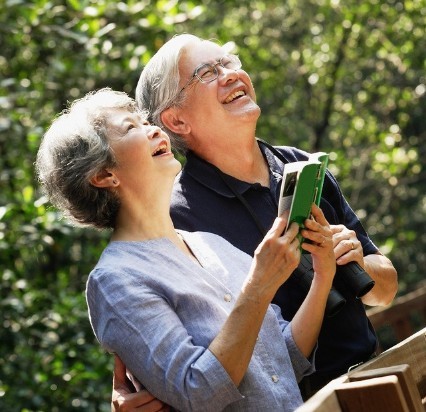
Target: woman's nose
(154, 132)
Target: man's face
(214, 110)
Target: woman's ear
(174, 122)
(104, 179)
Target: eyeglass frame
(218, 62)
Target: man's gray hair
(158, 86)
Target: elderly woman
(188, 313)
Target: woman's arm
(306, 323)
(274, 261)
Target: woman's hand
(275, 259)
(321, 246)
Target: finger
(336, 228)
(278, 226)
(317, 238)
(119, 378)
(318, 215)
(353, 244)
(142, 399)
(153, 406)
(349, 250)
(290, 236)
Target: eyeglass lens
(208, 72)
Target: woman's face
(142, 151)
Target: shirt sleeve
(156, 347)
(301, 365)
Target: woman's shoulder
(128, 258)
(211, 243)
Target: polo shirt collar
(208, 175)
(276, 166)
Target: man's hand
(348, 248)
(124, 395)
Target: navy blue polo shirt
(203, 201)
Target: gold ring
(353, 246)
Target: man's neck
(244, 162)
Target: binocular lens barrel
(358, 280)
(352, 274)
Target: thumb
(278, 226)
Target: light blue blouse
(159, 311)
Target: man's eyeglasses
(207, 72)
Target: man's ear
(104, 178)
(174, 122)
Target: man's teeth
(234, 96)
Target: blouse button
(275, 378)
(227, 297)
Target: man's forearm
(381, 270)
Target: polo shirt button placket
(227, 297)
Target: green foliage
(345, 77)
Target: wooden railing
(394, 381)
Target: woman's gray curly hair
(73, 150)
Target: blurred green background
(346, 77)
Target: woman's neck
(151, 229)
(143, 217)
(142, 229)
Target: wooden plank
(372, 395)
(411, 351)
(405, 378)
(325, 400)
